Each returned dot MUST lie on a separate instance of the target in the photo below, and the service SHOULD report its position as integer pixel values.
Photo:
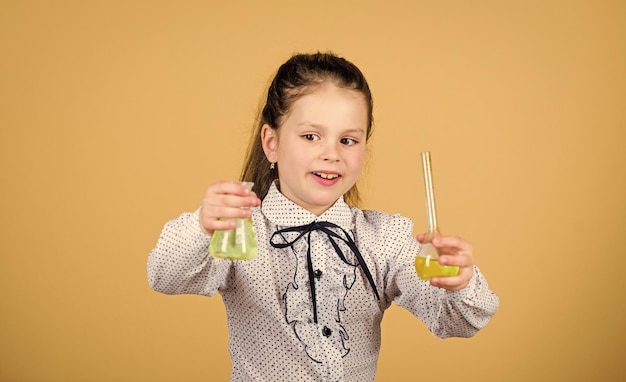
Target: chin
(324, 204)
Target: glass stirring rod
(427, 259)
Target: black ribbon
(325, 227)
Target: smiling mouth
(326, 176)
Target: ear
(269, 139)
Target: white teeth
(326, 176)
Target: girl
(309, 307)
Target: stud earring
(272, 166)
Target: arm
(180, 262)
(468, 296)
(466, 311)
(461, 309)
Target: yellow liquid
(427, 268)
(236, 244)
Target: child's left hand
(453, 250)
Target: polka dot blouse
(309, 307)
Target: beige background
(116, 115)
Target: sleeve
(180, 262)
(446, 313)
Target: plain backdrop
(116, 115)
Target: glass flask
(238, 243)
(427, 259)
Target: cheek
(292, 158)
(358, 161)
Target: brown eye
(348, 141)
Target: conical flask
(238, 243)
(427, 259)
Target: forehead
(332, 106)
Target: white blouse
(309, 307)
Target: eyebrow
(317, 125)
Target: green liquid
(427, 268)
(236, 244)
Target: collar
(283, 212)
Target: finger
(221, 218)
(234, 201)
(230, 194)
(461, 259)
(452, 242)
(230, 187)
(421, 238)
(453, 283)
(217, 212)
(211, 225)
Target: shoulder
(384, 237)
(382, 224)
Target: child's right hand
(226, 200)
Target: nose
(329, 152)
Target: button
(326, 331)
(318, 274)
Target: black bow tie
(325, 227)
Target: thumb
(421, 238)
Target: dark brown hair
(300, 75)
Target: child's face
(320, 147)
